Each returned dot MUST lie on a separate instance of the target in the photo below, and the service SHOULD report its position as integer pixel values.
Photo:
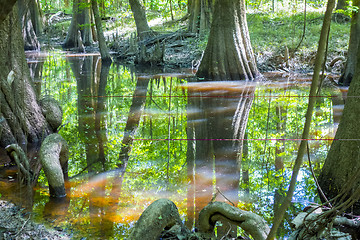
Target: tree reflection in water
(217, 117)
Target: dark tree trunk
(228, 55)
(342, 165)
(80, 22)
(85, 23)
(351, 61)
(6, 7)
(21, 121)
(36, 16)
(30, 39)
(200, 15)
(104, 51)
(142, 26)
(341, 4)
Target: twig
(228, 232)
(304, 31)
(224, 196)
(315, 179)
(23, 226)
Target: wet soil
(15, 223)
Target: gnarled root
(52, 112)
(21, 160)
(250, 222)
(54, 155)
(316, 224)
(160, 215)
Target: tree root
(163, 214)
(54, 155)
(316, 224)
(21, 160)
(250, 222)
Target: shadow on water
(138, 136)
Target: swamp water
(138, 136)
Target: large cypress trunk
(351, 61)
(30, 39)
(81, 17)
(6, 7)
(341, 167)
(228, 55)
(21, 119)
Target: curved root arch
(163, 214)
(250, 222)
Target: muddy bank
(15, 223)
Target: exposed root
(250, 222)
(21, 160)
(54, 155)
(161, 214)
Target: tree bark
(104, 51)
(22, 122)
(28, 31)
(85, 24)
(54, 156)
(80, 22)
(161, 214)
(200, 15)
(343, 159)
(250, 222)
(142, 26)
(6, 8)
(36, 16)
(228, 55)
(351, 61)
(21, 118)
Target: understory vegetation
(277, 37)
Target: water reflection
(91, 77)
(138, 136)
(218, 114)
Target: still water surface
(137, 135)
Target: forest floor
(278, 39)
(15, 223)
